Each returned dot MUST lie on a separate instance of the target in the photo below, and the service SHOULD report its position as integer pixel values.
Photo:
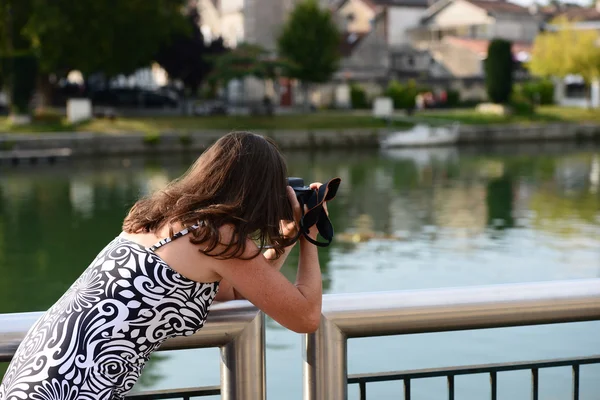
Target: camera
(303, 193)
(315, 214)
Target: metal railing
(237, 327)
(440, 310)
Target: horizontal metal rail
(184, 394)
(438, 310)
(491, 369)
(237, 327)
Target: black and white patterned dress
(95, 340)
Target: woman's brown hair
(240, 180)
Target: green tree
(499, 71)
(107, 36)
(310, 40)
(246, 60)
(566, 51)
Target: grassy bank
(545, 114)
(320, 120)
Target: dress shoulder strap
(179, 234)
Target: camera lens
(295, 182)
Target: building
(398, 16)
(231, 13)
(263, 20)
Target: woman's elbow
(309, 324)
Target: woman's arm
(228, 293)
(294, 306)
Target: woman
(146, 286)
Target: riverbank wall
(95, 144)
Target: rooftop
(583, 14)
(480, 46)
(499, 6)
(377, 5)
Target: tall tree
(247, 60)
(567, 51)
(310, 40)
(18, 61)
(187, 56)
(109, 36)
(499, 67)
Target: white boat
(423, 157)
(423, 135)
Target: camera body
(303, 193)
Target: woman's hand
(313, 231)
(289, 229)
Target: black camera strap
(316, 214)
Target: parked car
(211, 107)
(133, 98)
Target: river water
(404, 220)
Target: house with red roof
(440, 43)
(457, 32)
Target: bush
(358, 97)
(499, 71)
(520, 104)
(453, 98)
(403, 97)
(539, 92)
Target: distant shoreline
(99, 144)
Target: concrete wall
(527, 133)
(91, 144)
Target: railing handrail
(434, 310)
(461, 308)
(226, 320)
(237, 327)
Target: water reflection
(403, 219)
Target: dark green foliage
(499, 71)
(109, 36)
(520, 104)
(187, 57)
(453, 99)
(358, 97)
(20, 72)
(310, 41)
(539, 92)
(245, 60)
(403, 96)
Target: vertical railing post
(243, 364)
(325, 371)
